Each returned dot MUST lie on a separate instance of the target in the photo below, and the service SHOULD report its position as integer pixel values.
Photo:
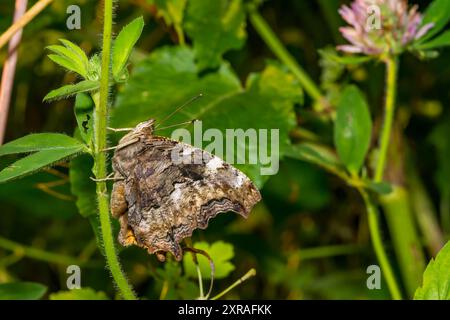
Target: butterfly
(160, 201)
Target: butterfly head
(143, 129)
(146, 127)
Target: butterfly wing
(174, 188)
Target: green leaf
(51, 147)
(41, 142)
(82, 187)
(172, 12)
(352, 128)
(84, 108)
(79, 294)
(123, 45)
(178, 285)
(78, 51)
(215, 27)
(72, 89)
(438, 13)
(37, 161)
(436, 278)
(220, 252)
(67, 63)
(442, 40)
(171, 73)
(80, 65)
(382, 188)
(21, 291)
(316, 154)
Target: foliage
(49, 148)
(255, 65)
(225, 31)
(436, 279)
(266, 102)
(352, 129)
(220, 252)
(21, 291)
(79, 294)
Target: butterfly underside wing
(159, 201)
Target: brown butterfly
(160, 202)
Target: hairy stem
(377, 242)
(269, 37)
(100, 170)
(389, 112)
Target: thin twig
(248, 275)
(26, 18)
(212, 267)
(377, 242)
(43, 255)
(9, 69)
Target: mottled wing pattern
(168, 200)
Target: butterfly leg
(109, 177)
(120, 129)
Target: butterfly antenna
(179, 108)
(177, 125)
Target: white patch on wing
(187, 150)
(176, 195)
(214, 164)
(239, 181)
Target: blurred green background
(308, 239)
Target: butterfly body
(160, 201)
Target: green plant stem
(377, 242)
(328, 251)
(200, 281)
(389, 112)
(396, 205)
(248, 275)
(42, 255)
(269, 37)
(406, 242)
(445, 214)
(100, 171)
(425, 213)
